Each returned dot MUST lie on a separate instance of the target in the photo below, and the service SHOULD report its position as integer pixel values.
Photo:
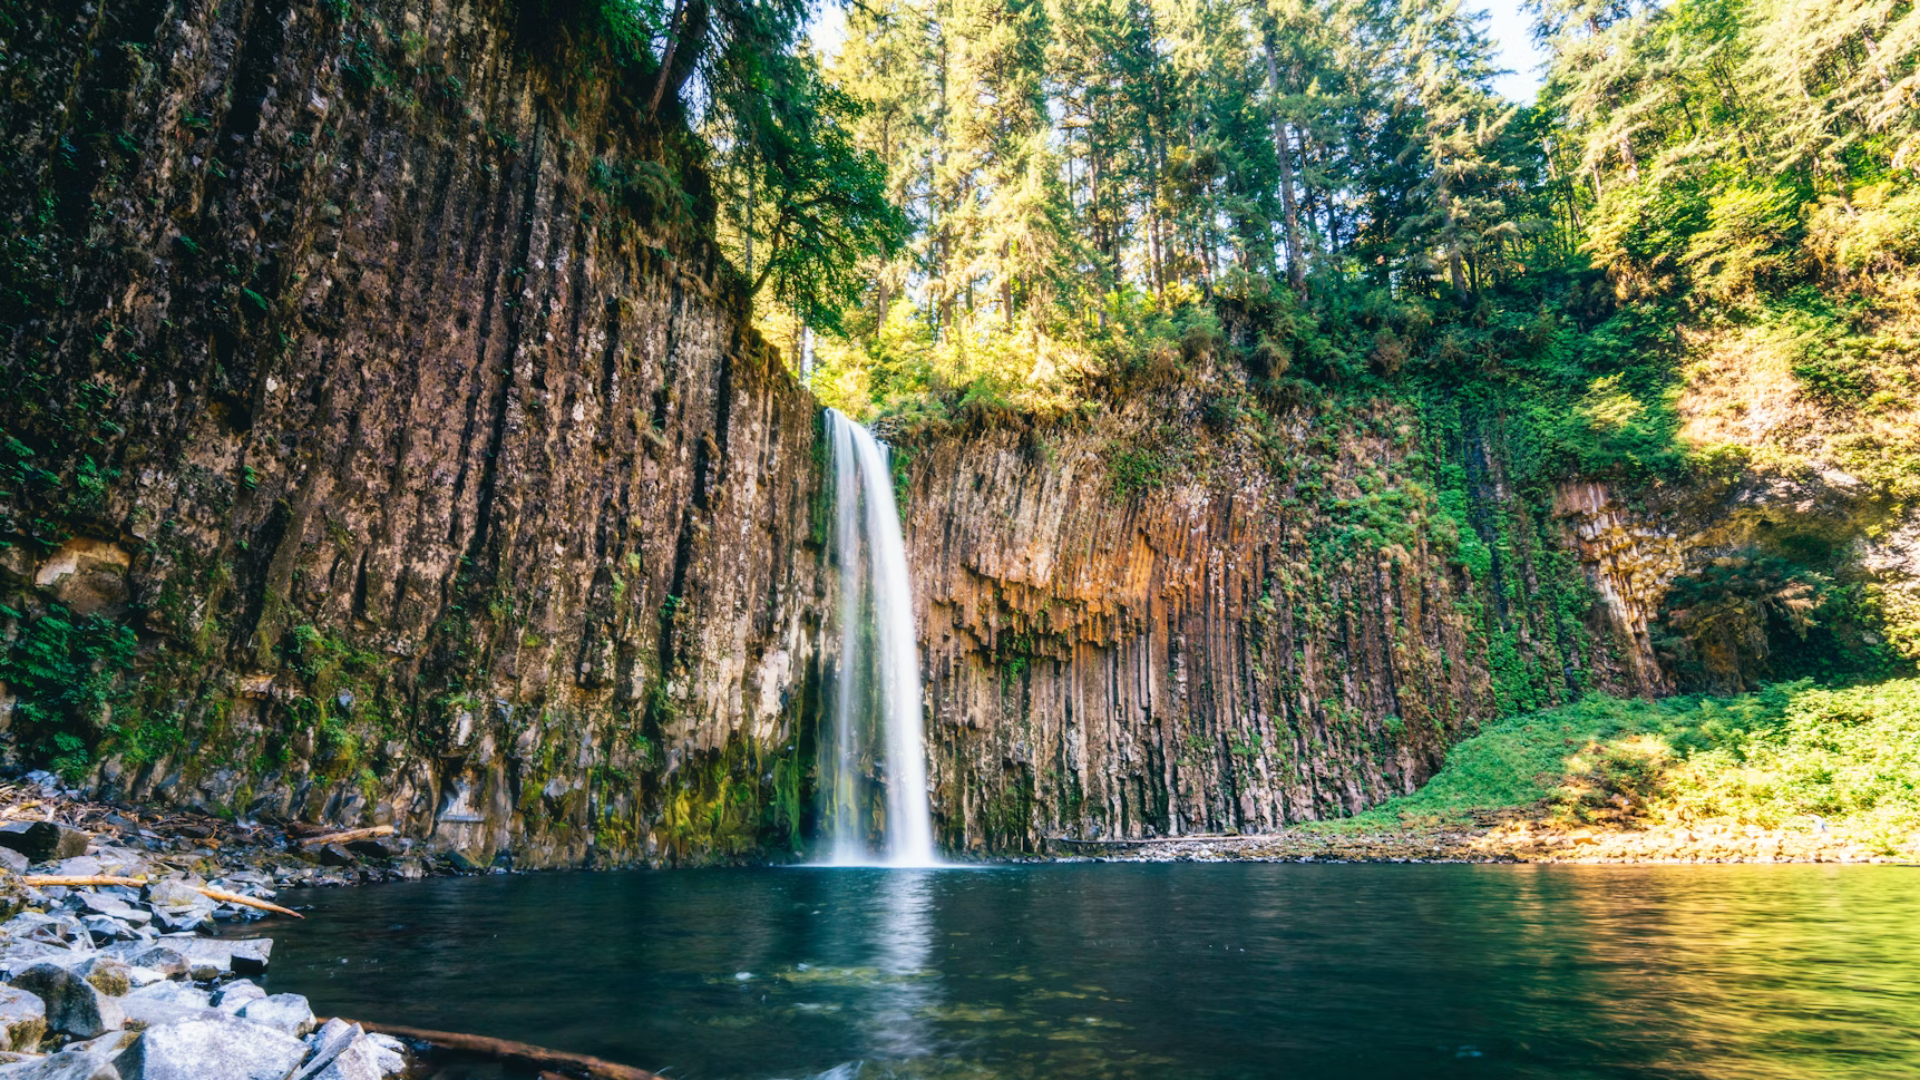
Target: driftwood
(348, 836)
(42, 881)
(556, 1063)
(236, 898)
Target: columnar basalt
(424, 448)
(1279, 620)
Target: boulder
(342, 1051)
(146, 1012)
(282, 1012)
(41, 841)
(108, 975)
(82, 1062)
(99, 903)
(78, 866)
(162, 958)
(13, 862)
(105, 929)
(175, 991)
(235, 995)
(23, 1019)
(172, 892)
(212, 1048)
(335, 855)
(74, 1005)
(201, 958)
(373, 847)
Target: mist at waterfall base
(873, 764)
(1108, 972)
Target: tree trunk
(1289, 210)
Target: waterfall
(879, 683)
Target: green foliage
(1779, 757)
(65, 673)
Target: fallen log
(84, 881)
(236, 898)
(348, 836)
(558, 1063)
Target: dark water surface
(1182, 971)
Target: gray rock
(175, 991)
(144, 976)
(341, 1051)
(172, 892)
(78, 866)
(235, 995)
(13, 862)
(105, 929)
(152, 1012)
(210, 1048)
(282, 1012)
(23, 1019)
(163, 958)
(40, 841)
(108, 975)
(99, 903)
(69, 1064)
(74, 1006)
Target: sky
(1506, 24)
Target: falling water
(879, 664)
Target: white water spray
(875, 596)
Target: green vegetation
(1791, 755)
(64, 672)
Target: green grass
(1780, 757)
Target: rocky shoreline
(123, 954)
(1502, 840)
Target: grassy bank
(1791, 757)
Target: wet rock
(212, 1048)
(41, 841)
(23, 1019)
(282, 1012)
(74, 1006)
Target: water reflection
(896, 1013)
(1110, 972)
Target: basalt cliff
(385, 442)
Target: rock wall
(429, 462)
(1151, 622)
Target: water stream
(879, 683)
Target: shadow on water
(1228, 972)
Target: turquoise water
(1195, 972)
